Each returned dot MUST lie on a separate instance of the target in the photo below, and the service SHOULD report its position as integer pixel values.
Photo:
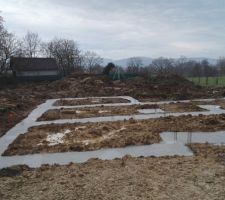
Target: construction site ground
(198, 177)
(201, 176)
(89, 101)
(74, 113)
(93, 136)
(18, 100)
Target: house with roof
(35, 68)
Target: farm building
(35, 68)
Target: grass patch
(212, 81)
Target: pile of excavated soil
(102, 111)
(195, 178)
(20, 99)
(93, 136)
(170, 87)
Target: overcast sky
(124, 28)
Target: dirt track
(199, 177)
(92, 136)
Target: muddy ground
(92, 136)
(17, 100)
(181, 107)
(89, 101)
(13, 109)
(102, 111)
(198, 177)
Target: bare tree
(150, 71)
(66, 53)
(31, 44)
(180, 65)
(145, 72)
(163, 66)
(134, 64)
(1, 23)
(92, 61)
(8, 47)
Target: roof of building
(33, 64)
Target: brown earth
(92, 136)
(14, 108)
(102, 111)
(89, 101)
(220, 102)
(165, 178)
(181, 107)
(76, 113)
(16, 101)
(199, 177)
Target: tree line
(182, 66)
(66, 52)
(70, 58)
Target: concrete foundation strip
(168, 147)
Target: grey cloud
(123, 28)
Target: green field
(212, 81)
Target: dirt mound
(84, 85)
(161, 87)
(167, 87)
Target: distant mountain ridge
(147, 60)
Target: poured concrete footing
(167, 148)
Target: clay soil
(181, 107)
(89, 101)
(93, 136)
(165, 178)
(17, 100)
(70, 113)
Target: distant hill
(123, 62)
(147, 60)
(212, 61)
